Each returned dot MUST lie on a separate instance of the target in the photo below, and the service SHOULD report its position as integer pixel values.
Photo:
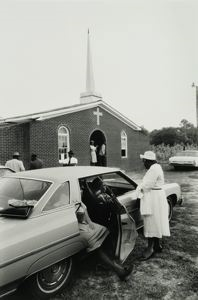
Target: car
(39, 230)
(5, 171)
(184, 159)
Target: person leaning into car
(153, 204)
(95, 234)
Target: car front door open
(127, 235)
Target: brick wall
(44, 139)
(41, 137)
(14, 138)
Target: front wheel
(50, 281)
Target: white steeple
(90, 94)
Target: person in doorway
(15, 163)
(153, 205)
(35, 162)
(70, 160)
(102, 155)
(93, 156)
(95, 234)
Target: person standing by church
(70, 160)
(93, 156)
(35, 162)
(102, 155)
(153, 205)
(15, 163)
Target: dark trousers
(102, 160)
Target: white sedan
(185, 159)
(39, 229)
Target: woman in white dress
(93, 155)
(153, 204)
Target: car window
(59, 198)
(21, 189)
(116, 181)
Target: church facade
(52, 134)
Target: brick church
(51, 134)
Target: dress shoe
(148, 253)
(125, 273)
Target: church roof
(48, 114)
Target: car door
(61, 218)
(127, 235)
(132, 204)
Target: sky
(144, 55)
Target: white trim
(68, 110)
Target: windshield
(188, 153)
(21, 189)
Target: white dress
(93, 154)
(153, 203)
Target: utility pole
(193, 85)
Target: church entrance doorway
(100, 141)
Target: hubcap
(52, 278)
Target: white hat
(16, 153)
(150, 155)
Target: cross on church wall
(98, 114)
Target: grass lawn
(172, 274)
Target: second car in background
(184, 159)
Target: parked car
(184, 159)
(5, 171)
(39, 229)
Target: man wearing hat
(153, 204)
(15, 164)
(70, 160)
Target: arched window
(63, 143)
(123, 144)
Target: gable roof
(48, 114)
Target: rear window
(21, 189)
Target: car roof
(187, 151)
(4, 167)
(60, 174)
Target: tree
(185, 134)
(167, 136)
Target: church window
(63, 143)
(123, 144)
